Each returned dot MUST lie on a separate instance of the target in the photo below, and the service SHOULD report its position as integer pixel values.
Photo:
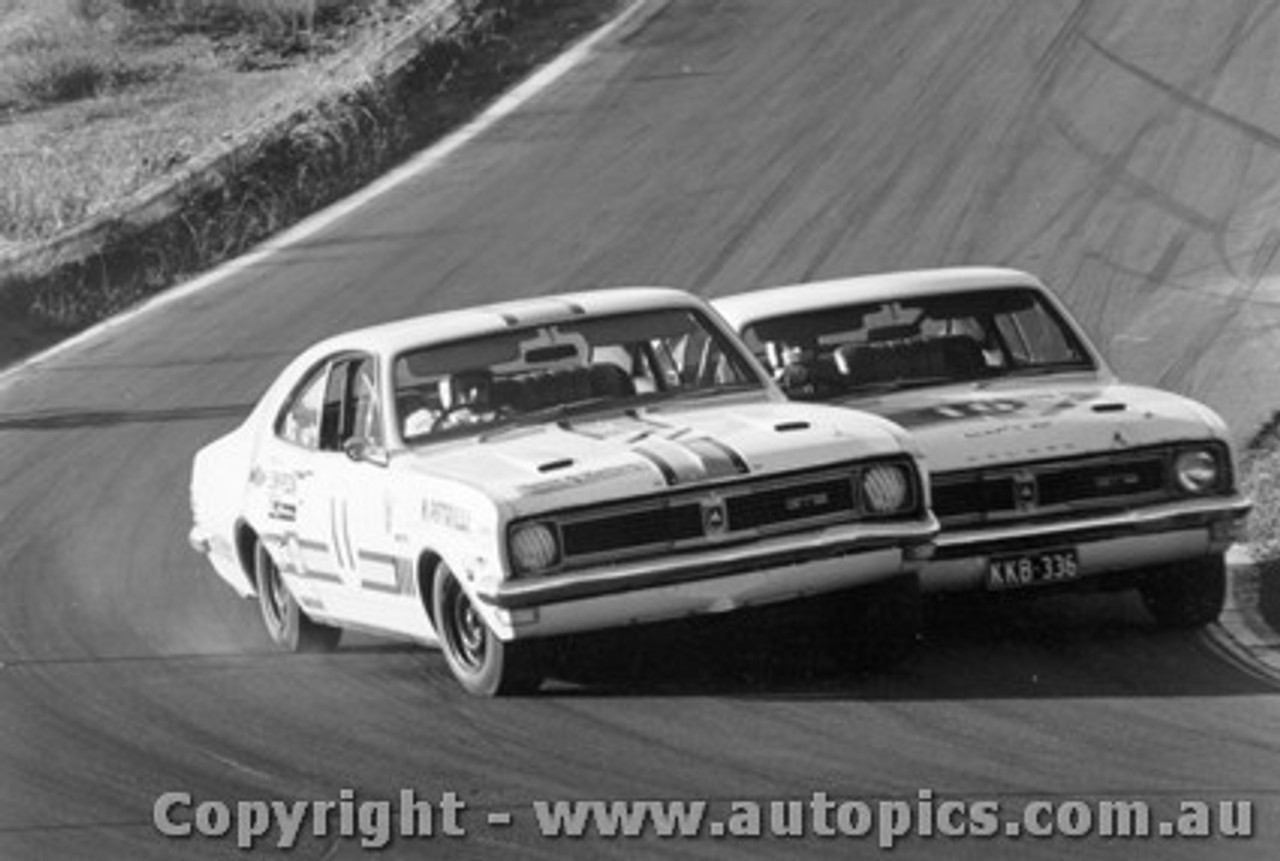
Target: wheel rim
(466, 631)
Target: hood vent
(787, 427)
(1113, 407)
(553, 465)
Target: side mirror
(365, 451)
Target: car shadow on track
(1072, 646)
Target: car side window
(331, 425)
(351, 407)
(366, 409)
(299, 423)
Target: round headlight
(1197, 471)
(885, 488)
(533, 548)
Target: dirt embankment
(438, 68)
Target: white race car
(488, 478)
(1046, 470)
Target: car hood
(593, 459)
(1012, 421)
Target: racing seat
(954, 357)
(610, 381)
(961, 356)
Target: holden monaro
(491, 478)
(1046, 470)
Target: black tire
(1186, 594)
(286, 623)
(880, 624)
(483, 664)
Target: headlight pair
(885, 488)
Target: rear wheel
(286, 623)
(482, 663)
(1186, 594)
(880, 624)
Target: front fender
(474, 564)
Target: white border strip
(425, 162)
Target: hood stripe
(668, 471)
(717, 458)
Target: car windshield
(871, 348)
(555, 372)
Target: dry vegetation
(1260, 477)
(142, 141)
(100, 97)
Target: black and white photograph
(602, 429)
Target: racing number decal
(958, 411)
(366, 569)
(282, 496)
(340, 532)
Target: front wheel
(1186, 594)
(482, 663)
(286, 623)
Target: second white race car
(1047, 470)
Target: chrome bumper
(709, 581)
(1125, 540)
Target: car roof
(400, 335)
(742, 309)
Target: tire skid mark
(1114, 171)
(1051, 63)
(1116, 165)
(1255, 132)
(923, 156)
(1208, 332)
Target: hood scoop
(555, 465)
(788, 427)
(1110, 407)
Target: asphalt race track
(1128, 152)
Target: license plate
(1018, 571)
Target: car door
(323, 487)
(351, 498)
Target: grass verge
(346, 103)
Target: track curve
(1126, 152)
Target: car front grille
(725, 511)
(635, 529)
(792, 504)
(1055, 488)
